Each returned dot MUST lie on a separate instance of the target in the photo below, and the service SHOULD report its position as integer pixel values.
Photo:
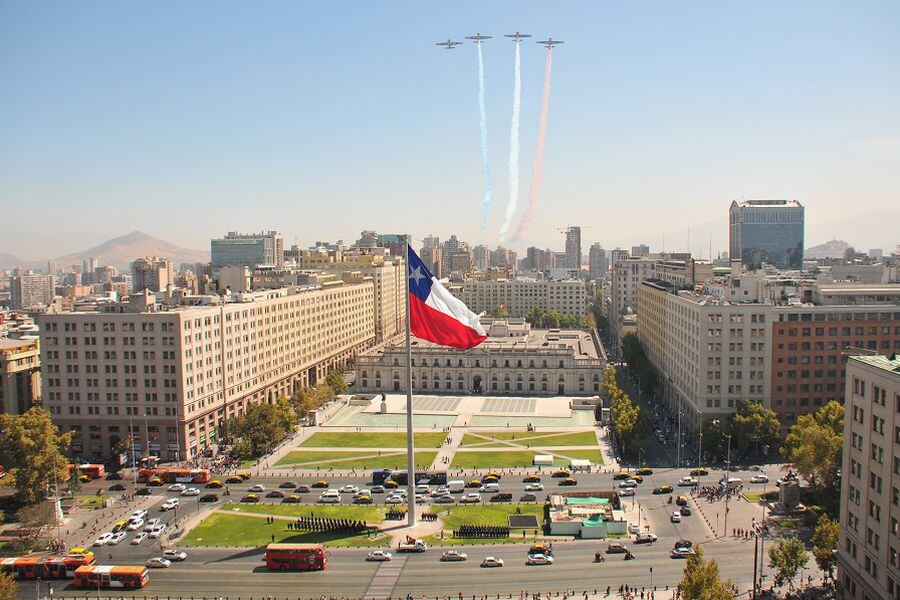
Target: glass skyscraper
(767, 231)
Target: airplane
(549, 42)
(449, 44)
(517, 37)
(479, 38)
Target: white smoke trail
(485, 163)
(513, 148)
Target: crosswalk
(385, 579)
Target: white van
(490, 488)
(330, 497)
(456, 486)
(733, 481)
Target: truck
(456, 486)
(412, 544)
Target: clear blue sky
(187, 119)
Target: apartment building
(172, 371)
(152, 273)
(20, 375)
(247, 249)
(869, 541)
(520, 296)
(597, 262)
(31, 291)
(515, 360)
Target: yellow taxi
(474, 483)
(637, 478)
(390, 483)
(215, 484)
(561, 473)
(569, 481)
(644, 471)
(250, 498)
(84, 478)
(234, 479)
(495, 475)
(489, 479)
(292, 499)
(244, 475)
(83, 553)
(320, 484)
(622, 475)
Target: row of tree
(751, 427)
(638, 363)
(629, 423)
(547, 319)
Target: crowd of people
(326, 524)
(482, 531)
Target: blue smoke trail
(485, 163)
(513, 148)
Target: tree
(824, 543)
(814, 444)
(626, 417)
(32, 445)
(35, 518)
(262, 427)
(702, 580)
(335, 380)
(788, 556)
(753, 423)
(714, 442)
(8, 587)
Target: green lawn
(370, 459)
(487, 515)
(535, 440)
(367, 513)
(244, 531)
(93, 501)
(504, 459)
(595, 456)
(349, 439)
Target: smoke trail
(513, 148)
(485, 164)
(538, 153)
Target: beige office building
(20, 375)
(520, 296)
(869, 542)
(176, 369)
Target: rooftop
(885, 363)
(7, 344)
(768, 204)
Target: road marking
(385, 579)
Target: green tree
(335, 380)
(610, 385)
(262, 427)
(824, 544)
(702, 581)
(36, 518)
(32, 445)
(8, 587)
(626, 417)
(788, 556)
(814, 444)
(754, 424)
(714, 442)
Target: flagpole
(410, 453)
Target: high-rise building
(451, 247)
(482, 257)
(573, 247)
(867, 549)
(431, 241)
(535, 258)
(367, 239)
(503, 258)
(640, 250)
(249, 250)
(521, 295)
(31, 291)
(433, 257)
(766, 231)
(597, 262)
(152, 273)
(20, 375)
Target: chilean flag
(437, 315)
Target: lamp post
(727, 480)
(699, 452)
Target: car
(470, 498)
(135, 524)
(390, 484)
(233, 479)
(394, 499)
(761, 478)
(251, 498)
(215, 484)
(448, 499)
(687, 481)
(421, 498)
(616, 548)
(116, 487)
(138, 514)
(116, 538)
(365, 499)
(644, 471)
(685, 511)
(534, 487)
(84, 478)
(702, 471)
(144, 491)
(285, 485)
(170, 504)
(474, 483)
(538, 559)
(644, 537)
(627, 483)
(681, 501)
(621, 475)
(561, 473)
(292, 499)
(531, 479)
(675, 517)
(568, 481)
(491, 561)
(637, 478)
(275, 494)
(634, 528)
(140, 537)
(177, 487)
(244, 475)
(209, 498)
(114, 475)
(320, 484)
(103, 539)
(538, 548)
(329, 498)
(348, 488)
(155, 481)
(528, 498)
(175, 555)
(302, 489)
(682, 552)
(159, 562)
(626, 492)
(489, 479)
(454, 556)
(191, 491)
(502, 497)
(151, 523)
(157, 531)
(495, 475)
(663, 489)
(422, 488)
(379, 556)
(257, 487)
(377, 489)
(683, 543)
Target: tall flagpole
(410, 453)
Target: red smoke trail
(538, 153)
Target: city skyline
(321, 112)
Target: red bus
(109, 576)
(45, 567)
(93, 471)
(295, 557)
(174, 475)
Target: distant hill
(120, 251)
(10, 261)
(832, 249)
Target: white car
(626, 492)
(138, 514)
(534, 487)
(103, 539)
(152, 523)
(175, 555)
(257, 487)
(454, 556)
(761, 478)
(379, 556)
(492, 561)
(158, 531)
(349, 488)
(676, 517)
(139, 538)
(470, 498)
(628, 483)
(687, 481)
(191, 491)
(135, 524)
(177, 487)
(170, 504)
(423, 488)
(539, 559)
(420, 499)
(329, 498)
(394, 499)
(116, 538)
(159, 562)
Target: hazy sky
(188, 119)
